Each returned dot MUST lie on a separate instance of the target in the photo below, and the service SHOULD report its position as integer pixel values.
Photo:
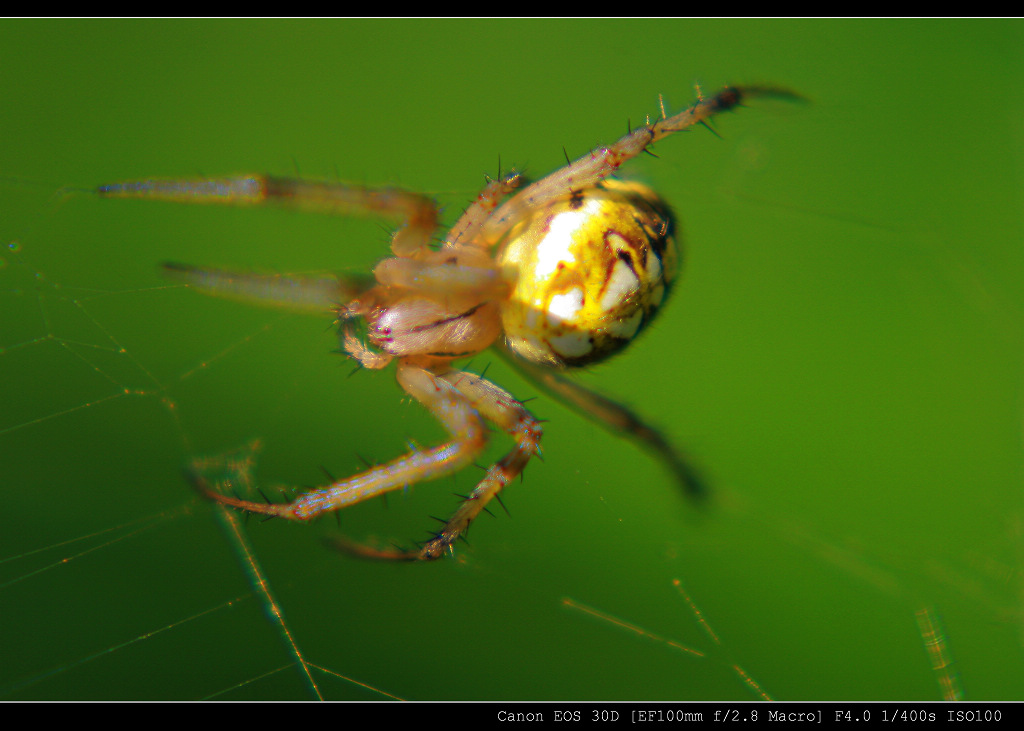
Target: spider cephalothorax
(560, 273)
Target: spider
(560, 273)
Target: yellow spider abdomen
(588, 272)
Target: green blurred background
(843, 361)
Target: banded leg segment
(598, 164)
(444, 401)
(418, 212)
(497, 406)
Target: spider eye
(588, 273)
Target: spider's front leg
(497, 406)
(418, 212)
(473, 220)
(300, 293)
(599, 163)
(318, 295)
(444, 400)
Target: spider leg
(460, 271)
(498, 406)
(442, 399)
(616, 418)
(296, 292)
(359, 351)
(419, 213)
(604, 161)
(468, 275)
(464, 232)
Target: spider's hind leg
(418, 213)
